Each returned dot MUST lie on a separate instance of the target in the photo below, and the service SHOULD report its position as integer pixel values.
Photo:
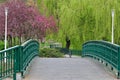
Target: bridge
(100, 61)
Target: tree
(25, 21)
(83, 20)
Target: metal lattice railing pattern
(7, 62)
(104, 51)
(30, 49)
(17, 59)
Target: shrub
(48, 52)
(1, 45)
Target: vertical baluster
(11, 62)
(8, 60)
(1, 65)
(6, 64)
(14, 63)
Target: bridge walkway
(75, 68)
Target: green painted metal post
(17, 56)
(21, 60)
(15, 64)
(118, 62)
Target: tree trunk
(9, 41)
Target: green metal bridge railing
(105, 52)
(30, 49)
(8, 63)
(66, 51)
(17, 59)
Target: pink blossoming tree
(24, 22)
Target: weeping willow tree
(83, 20)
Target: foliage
(83, 20)
(50, 52)
(31, 3)
(25, 21)
(1, 45)
(1, 1)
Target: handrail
(17, 59)
(30, 49)
(8, 67)
(104, 51)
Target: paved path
(68, 69)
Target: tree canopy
(25, 21)
(83, 20)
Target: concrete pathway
(68, 69)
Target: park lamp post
(5, 47)
(112, 37)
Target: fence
(71, 51)
(107, 53)
(7, 66)
(17, 59)
(30, 49)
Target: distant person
(68, 46)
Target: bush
(48, 52)
(1, 45)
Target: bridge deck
(68, 69)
